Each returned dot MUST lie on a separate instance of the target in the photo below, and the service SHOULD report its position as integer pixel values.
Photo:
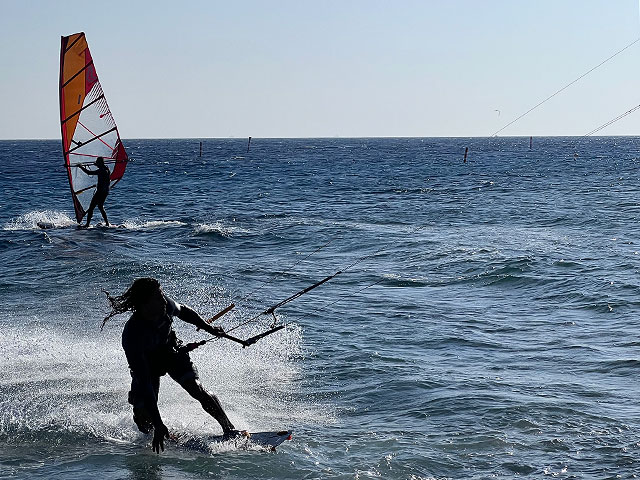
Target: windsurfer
(152, 350)
(102, 189)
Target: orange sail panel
(88, 128)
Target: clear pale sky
(326, 68)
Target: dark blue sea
(485, 323)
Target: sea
(480, 318)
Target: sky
(328, 68)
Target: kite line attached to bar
(272, 309)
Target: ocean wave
(218, 229)
(516, 272)
(511, 280)
(395, 280)
(519, 468)
(595, 302)
(34, 221)
(151, 224)
(51, 219)
(476, 343)
(619, 367)
(401, 190)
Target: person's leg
(90, 211)
(104, 214)
(100, 199)
(186, 374)
(209, 402)
(141, 416)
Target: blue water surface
(482, 321)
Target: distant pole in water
(200, 148)
(530, 143)
(248, 144)
(466, 150)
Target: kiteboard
(269, 440)
(244, 441)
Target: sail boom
(86, 164)
(78, 192)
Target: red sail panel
(88, 128)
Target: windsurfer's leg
(90, 211)
(100, 199)
(104, 214)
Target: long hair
(129, 300)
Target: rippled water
(484, 323)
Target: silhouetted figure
(102, 189)
(152, 350)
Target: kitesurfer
(152, 350)
(102, 189)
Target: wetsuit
(153, 350)
(102, 190)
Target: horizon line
(337, 137)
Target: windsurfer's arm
(87, 171)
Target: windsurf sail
(88, 128)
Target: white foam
(30, 221)
(145, 225)
(76, 380)
(219, 228)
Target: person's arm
(187, 314)
(87, 171)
